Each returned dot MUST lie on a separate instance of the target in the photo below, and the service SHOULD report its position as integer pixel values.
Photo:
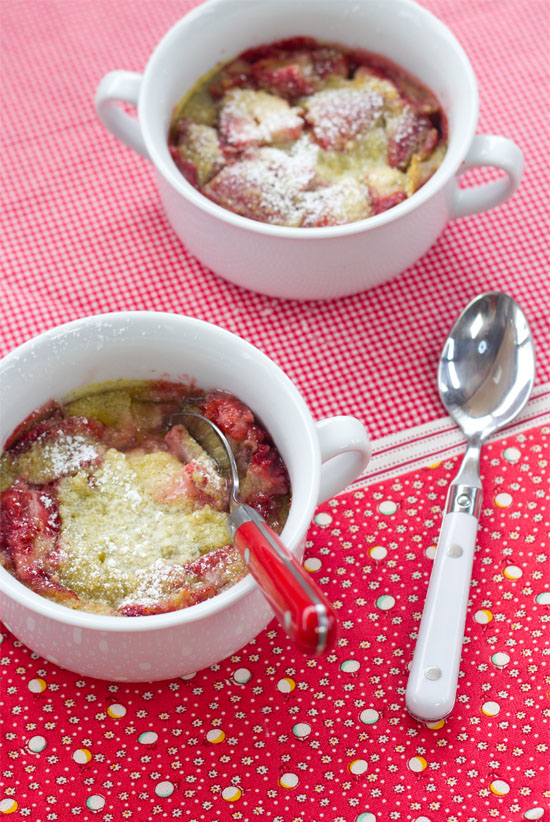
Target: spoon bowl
(487, 367)
(486, 374)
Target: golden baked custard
(306, 134)
(109, 505)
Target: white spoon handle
(431, 688)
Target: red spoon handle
(297, 601)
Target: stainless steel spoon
(296, 600)
(486, 374)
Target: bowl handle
(120, 86)
(497, 152)
(345, 452)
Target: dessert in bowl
(333, 260)
(110, 503)
(321, 459)
(306, 134)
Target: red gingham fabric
(83, 231)
(268, 734)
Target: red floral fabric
(82, 229)
(269, 734)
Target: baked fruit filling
(305, 134)
(109, 503)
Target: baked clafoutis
(109, 504)
(307, 134)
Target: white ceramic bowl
(322, 458)
(310, 263)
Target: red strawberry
(278, 48)
(269, 471)
(338, 115)
(50, 409)
(253, 118)
(188, 169)
(218, 568)
(166, 391)
(49, 430)
(205, 485)
(187, 595)
(328, 62)
(229, 413)
(409, 134)
(380, 204)
(30, 527)
(290, 80)
(265, 482)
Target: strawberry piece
(231, 415)
(264, 185)
(339, 115)
(266, 475)
(253, 118)
(387, 187)
(236, 74)
(183, 598)
(209, 488)
(380, 204)
(187, 168)
(420, 98)
(290, 80)
(267, 506)
(343, 202)
(218, 568)
(408, 134)
(265, 482)
(268, 471)
(201, 478)
(30, 526)
(50, 409)
(328, 62)
(278, 48)
(22, 441)
(182, 445)
(167, 391)
(428, 144)
(50, 429)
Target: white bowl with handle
(322, 458)
(311, 263)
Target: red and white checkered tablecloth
(83, 231)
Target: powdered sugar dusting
(257, 118)
(347, 199)
(406, 126)
(68, 453)
(114, 530)
(53, 514)
(338, 115)
(347, 114)
(266, 183)
(154, 583)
